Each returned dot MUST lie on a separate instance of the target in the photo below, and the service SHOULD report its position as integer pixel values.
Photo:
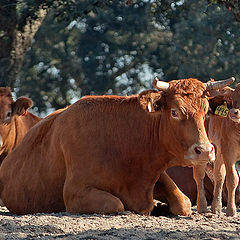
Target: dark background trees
(21, 19)
(110, 47)
(231, 5)
(19, 22)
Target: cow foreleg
(219, 177)
(232, 182)
(165, 188)
(198, 175)
(91, 200)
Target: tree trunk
(15, 40)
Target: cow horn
(219, 84)
(160, 85)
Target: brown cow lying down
(104, 154)
(15, 120)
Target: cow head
(231, 97)
(9, 110)
(181, 106)
(234, 96)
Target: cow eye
(174, 113)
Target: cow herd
(108, 154)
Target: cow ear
(150, 100)
(222, 95)
(21, 105)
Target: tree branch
(124, 69)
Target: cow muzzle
(234, 115)
(200, 154)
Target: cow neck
(236, 126)
(6, 139)
(30, 120)
(156, 141)
(147, 125)
(232, 131)
(153, 126)
(223, 131)
(142, 123)
(226, 135)
(166, 142)
(10, 136)
(151, 130)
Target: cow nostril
(236, 112)
(214, 148)
(197, 150)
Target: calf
(224, 132)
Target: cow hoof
(216, 210)
(231, 212)
(216, 206)
(202, 209)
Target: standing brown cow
(183, 177)
(104, 154)
(15, 120)
(224, 132)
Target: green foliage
(88, 55)
(114, 41)
(206, 42)
(118, 49)
(51, 66)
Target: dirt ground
(123, 226)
